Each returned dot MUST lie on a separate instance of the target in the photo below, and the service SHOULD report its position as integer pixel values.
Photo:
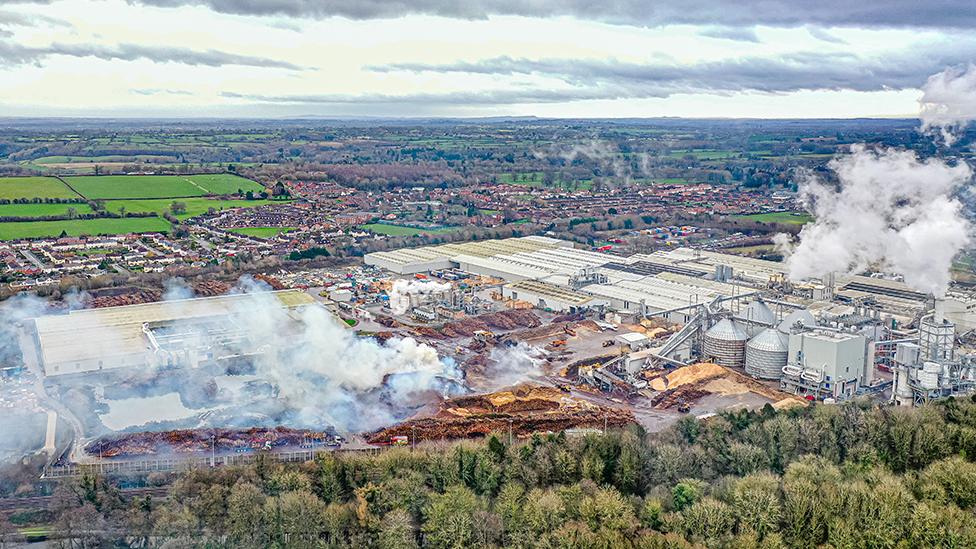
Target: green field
(535, 179)
(225, 183)
(40, 210)
(703, 154)
(397, 230)
(42, 229)
(194, 206)
(159, 186)
(34, 187)
(796, 218)
(262, 232)
(108, 158)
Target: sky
(422, 58)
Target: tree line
(851, 475)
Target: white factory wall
(52, 369)
(840, 357)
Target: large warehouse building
(183, 332)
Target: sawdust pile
(525, 408)
(694, 373)
(689, 383)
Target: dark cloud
(739, 34)
(15, 54)
(779, 74)
(957, 14)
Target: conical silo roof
(770, 340)
(726, 330)
(802, 316)
(757, 311)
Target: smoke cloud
(890, 210)
(402, 290)
(330, 376)
(948, 103)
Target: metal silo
(767, 353)
(802, 317)
(756, 317)
(725, 343)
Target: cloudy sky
(569, 58)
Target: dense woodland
(850, 476)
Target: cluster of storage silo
(755, 340)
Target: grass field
(535, 179)
(96, 159)
(675, 181)
(225, 183)
(159, 186)
(796, 218)
(34, 187)
(40, 210)
(194, 206)
(703, 154)
(262, 232)
(397, 230)
(41, 229)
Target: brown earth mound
(526, 409)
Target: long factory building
(184, 332)
(549, 273)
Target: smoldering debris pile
(114, 297)
(504, 320)
(204, 440)
(526, 409)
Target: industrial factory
(178, 333)
(826, 340)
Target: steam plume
(402, 290)
(948, 103)
(890, 210)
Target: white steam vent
(890, 210)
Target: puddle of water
(131, 412)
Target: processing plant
(830, 339)
(178, 333)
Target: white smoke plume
(329, 376)
(948, 103)
(607, 155)
(892, 211)
(509, 366)
(175, 289)
(402, 290)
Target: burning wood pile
(205, 440)
(526, 409)
(503, 320)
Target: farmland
(41, 210)
(159, 186)
(78, 227)
(194, 206)
(34, 187)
